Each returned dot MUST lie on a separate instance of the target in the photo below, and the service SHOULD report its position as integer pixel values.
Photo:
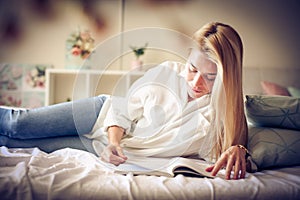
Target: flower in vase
(80, 43)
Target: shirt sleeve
(126, 111)
(123, 112)
(145, 92)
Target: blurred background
(36, 31)
(37, 34)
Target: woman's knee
(10, 120)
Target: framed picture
(22, 85)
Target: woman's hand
(113, 154)
(233, 159)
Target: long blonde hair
(223, 45)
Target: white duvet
(74, 174)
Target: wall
(269, 28)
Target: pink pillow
(270, 88)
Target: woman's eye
(210, 77)
(193, 69)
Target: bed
(76, 173)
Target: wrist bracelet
(245, 149)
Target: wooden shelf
(68, 84)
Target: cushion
(273, 147)
(271, 88)
(273, 111)
(294, 92)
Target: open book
(168, 167)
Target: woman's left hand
(233, 159)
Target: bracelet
(245, 149)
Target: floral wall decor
(80, 45)
(22, 85)
(35, 77)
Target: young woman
(197, 111)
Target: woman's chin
(198, 95)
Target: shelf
(67, 84)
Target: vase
(76, 62)
(137, 65)
(73, 62)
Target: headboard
(252, 76)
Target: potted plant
(138, 51)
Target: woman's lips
(199, 91)
(196, 90)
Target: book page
(142, 165)
(151, 163)
(127, 167)
(190, 166)
(162, 166)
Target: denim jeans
(60, 120)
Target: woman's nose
(199, 80)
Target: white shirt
(157, 117)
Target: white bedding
(75, 174)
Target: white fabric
(75, 174)
(157, 116)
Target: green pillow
(273, 147)
(294, 92)
(273, 111)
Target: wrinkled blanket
(75, 174)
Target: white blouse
(157, 117)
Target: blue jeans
(21, 128)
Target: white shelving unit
(66, 84)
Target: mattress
(75, 174)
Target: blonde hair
(223, 45)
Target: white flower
(34, 72)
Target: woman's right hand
(113, 154)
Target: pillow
(270, 88)
(294, 92)
(272, 147)
(273, 111)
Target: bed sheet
(77, 174)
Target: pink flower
(40, 84)
(76, 51)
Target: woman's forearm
(113, 152)
(115, 134)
